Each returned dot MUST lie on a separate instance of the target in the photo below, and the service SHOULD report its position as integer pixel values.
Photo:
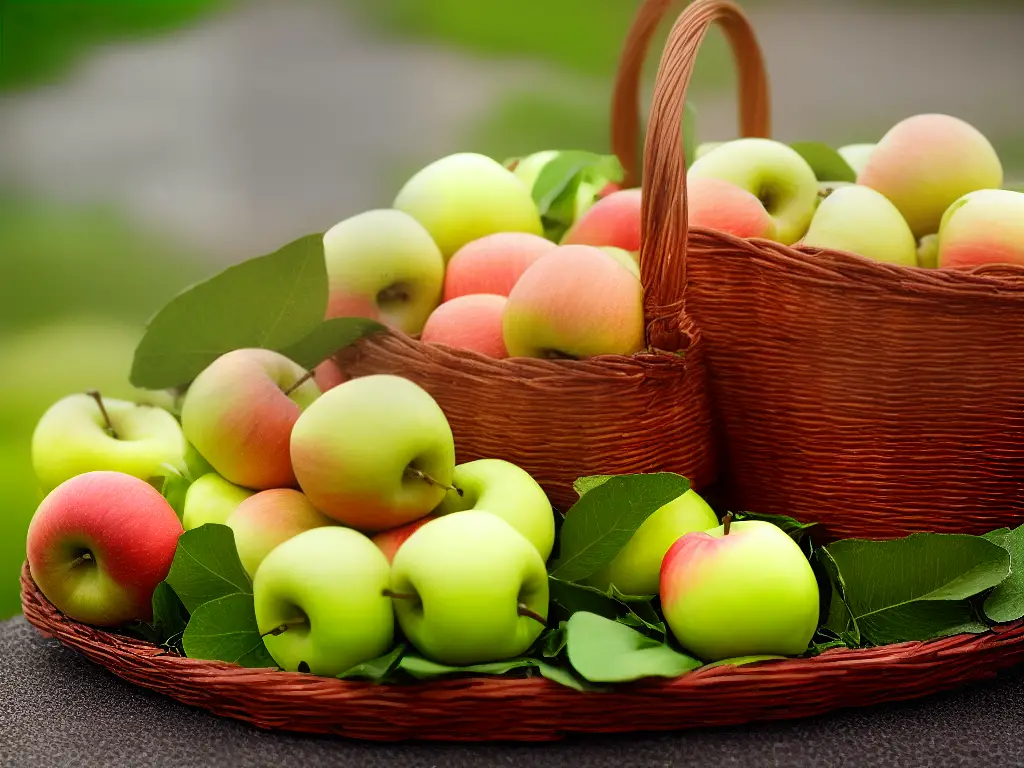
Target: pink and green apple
(613, 220)
(390, 540)
(211, 499)
(239, 413)
(469, 322)
(99, 544)
(983, 227)
(269, 519)
(721, 205)
(492, 264)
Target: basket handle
(664, 222)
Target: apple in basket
(492, 264)
(211, 499)
(469, 322)
(983, 227)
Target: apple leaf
(792, 526)
(559, 182)
(604, 519)
(328, 337)
(552, 642)
(826, 162)
(378, 669)
(1006, 601)
(589, 483)
(271, 301)
(424, 669)
(914, 588)
(206, 566)
(632, 610)
(605, 651)
(225, 630)
(169, 615)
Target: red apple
(492, 264)
(389, 541)
(721, 205)
(612, 220)
(469, 322)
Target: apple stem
(85, 556)
(95, 395)
(397, 595)
(299, 382)
(280, 629)
(421, 475)
(726, 523)
(529, 613)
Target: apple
(84, 432)
(983, 227)
(589, 189)
(721, 205)
(636, 569)
(492, 264)
(99, 544)
(508, 491)
(856, 155)
(211, 499)
(374, 453)
(928, 251)
(469, 322)
(926, 163)
(469, 588)
(239, 414)
(574, 302)
(385, 258)
(742, 589)
(627, 259)
(528, 169)
(389, 541)
(706, 147)
(328, 375)
(860, 220)
(321, 604)
(464, 196)
(613, 220)
(774, 173)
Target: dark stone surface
(57, 709)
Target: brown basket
(876, 399)
(535, 709)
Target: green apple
(856, 155)
(505, 490)
(86, 432)
(744, 589)
(469, 588)
(626, 258)
(386, 260)
(705, 148)
(860, 220)
(636, 570)
(928, 252)
(771, 171)
(268, 519)
(374, 452)
(465, 196)
(211, 499)
(320, 601)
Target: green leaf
(796, 529)
(206, 566)
(605, 651)
(552, 643)
(632, 610)
(1006, 601)
(589, 483)
(1015, 186)
(739, 661)
(424, 669)
(917, 587)
(225, 630)
(827, 163)
(689, 134)
(169, 615)
(272, 301)
(604, 519)
(328, 337)
(377, 669)
(560, 181)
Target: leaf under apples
(606, 651)
(826, 162)
(206, 567)
(225, 630)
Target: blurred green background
(146, 144)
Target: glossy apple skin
(384, 258)
(334, 578)
(860, 220)
(351, 449)
(469, 322)
(771, 171)
(468, 572)
(926, 163)
(389, 541)
(577, 302)
(465, 196)
(636, 570)
(492, 264)
(237, 416)
(722, 206)
(71, 439)
(613, 220)
(211, 499)
(508, 491)
(749, 593)
(129, 530)
(983, 227)
(269, 519)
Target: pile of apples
(354, 522)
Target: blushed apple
(983, 227)
(860, 220)
(390, 540)
(99, 544)
(239, 414)
(613, 220)
(211, 499)
(328, 375)
(723, 206)
(269, 519)
(492, 264)
(469, 322)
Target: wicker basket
(876, 399)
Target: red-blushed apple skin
(985, 227)
(239, 419)
(690, 550)
(469, 322)
(608, 188)
(720, 205)
(129, 528)
(341, 304)
(492, 264)
(390, 541)
(578, 301)
(328, 375)
(612, 220)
